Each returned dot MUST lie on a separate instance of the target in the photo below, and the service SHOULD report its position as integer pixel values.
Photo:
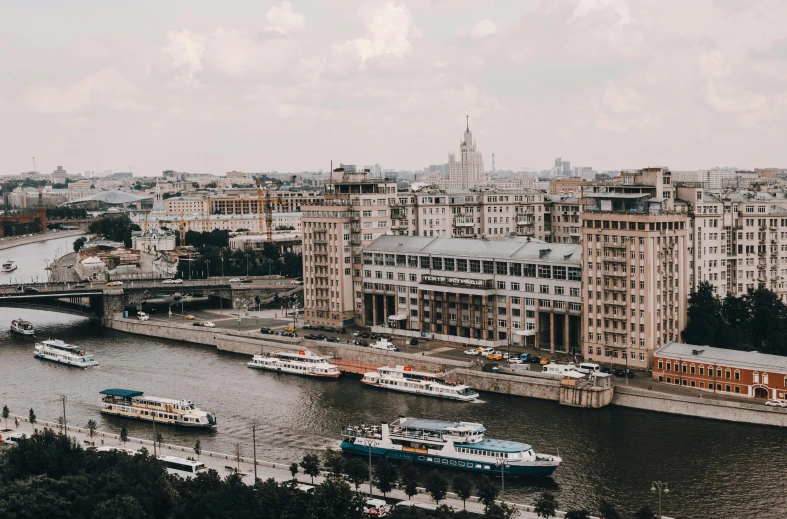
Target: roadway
(9, 242)
(94, 286)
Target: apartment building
(236, 202)
(475, 291)
(356, 210)
(635, 245)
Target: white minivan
(588, 367)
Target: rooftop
(123, 393)
(724, 357)
(518, 248)
(437, 425)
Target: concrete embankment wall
(699, 407)
(532, 387)
(9, 243)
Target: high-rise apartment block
(355, 211)
(468, 171)
(635, 245)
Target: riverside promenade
(225, 464)
(10, 242)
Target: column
(552, 331)
(385, 309)
(566, 336)
(374, 309)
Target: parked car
(485, 351)
(365, 335)
(360, 342)
(31, 290)
(355, 334)
(79, 285)
(208, 324)
(266, 330)
(606, 370)
(494, 356)
(142, 316)
(320, 328)
(776, 403)
(414, 341)
(375, 508)
(296, 282)
(340, 329)
(14, 438)
(524, 357)
(627, 373)
(515, 360)
(245, 281)
(471, 352)
(332, 339)
(374, 337)
(544, 361)
(115, 284)
(321, 337)
(197, 323)
(189, 317)
(307, 326)
(310, 336)
(234, 280)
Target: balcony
(399, 225)
(614, 245)
(464, 222)
(321, 241)
(615, 259)
(616, 274)
(525, 219)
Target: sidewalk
(224, 464)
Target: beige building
(567, 185)
(635, 245)
(356, 210)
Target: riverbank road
(225, 464)
(9, 242)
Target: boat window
(420, 458)
(453, 462)
(461, 463)
(445, 462)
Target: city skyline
(210, 89)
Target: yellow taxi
(495, 355)
(189, 317)
(544, 361)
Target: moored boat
(404, 379)
(9, 266)
(458, 445)
(301, 362)
(22, 327)
(64, 353)
(128, 403)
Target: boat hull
(159, 421)
(449, 462)
(81, 365)
(294, 372)
(23, 332)
(418, 392)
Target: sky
(206, 86)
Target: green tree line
(115, 228)
(754, 321)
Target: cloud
(621, 99)
(239, 54)
(483, 29)
(283, 20)
(185, 51)
(389, 28)
(618, 7)
(107, 88)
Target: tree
(120, 507)
(487, 491)
(91, 429)
(159, 439)
(79, 243)
(237, 456)
(333, 462)
(704, 316)
(608, 510)
(499, 511)
(356, 471)
(6, 414)
(436, 485)
(645, 513)
(197, 448)
(463, 487)
(385, 476)
(124, 435)
(577, 514)
(31, 416)
(334, 499)
(311, 466)
(408, 476)
(293, 469)
(546, 505)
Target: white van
(588, 367)
(558, 369)
(14, 438)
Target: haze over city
(288, 86)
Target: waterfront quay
(225, 464)
(10, 242)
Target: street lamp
(503, 464)
(222, 263)
(208, 271)
(661, 488)
(247, 264)
(65, 424)
(254, 425)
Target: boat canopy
(123, 393)
(493, 445)
(437, 425)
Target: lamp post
(661, 488)
(155, 436)
(254, 424)
(247, 264)
(503, 464)
(222, 264)
(208, 271)
(65, 426)
(369, 443)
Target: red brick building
(745, 373)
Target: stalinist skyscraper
(469, 170)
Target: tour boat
(9, 266)
(456, 445)
(59, 351)
(22, 327)
(132, 404)
(302, 362)
(403, 378)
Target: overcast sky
(208, 86)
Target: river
(714, 469)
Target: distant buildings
(468, 171)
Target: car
(524, 357)
(360, 342)
(310, 336)
(142, 316)
(14, 438)
(115, 284)
(234, 280)
(321, 337)
(290, 329)
(627, 373)
(341, 329)
(776, 403)
(544, 361)
(31, 290)
(79, 285)
(414, 341)
(374, 336)
(189, 317)
(109, 448)
(307, 326)
(208, 324)
(197, 323)
(267, 330)
(494, 356)
(375, 508)
(514, 360)
(365, 335)
(168, 281)
(471, 352)
(332, 339)
(177, 281)
(355, 334)
(606, 370)
(485, 351)
(245, 281)
(296, 282)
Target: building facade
(718, 370)
(468, 170)
(475, 291)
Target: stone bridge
(99, 301)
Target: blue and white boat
(129, 403)
(64, 353)
(456, 445)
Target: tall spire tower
(468, 170)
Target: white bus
(182, 467)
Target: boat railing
(416, 435)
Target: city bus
(185, 468)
